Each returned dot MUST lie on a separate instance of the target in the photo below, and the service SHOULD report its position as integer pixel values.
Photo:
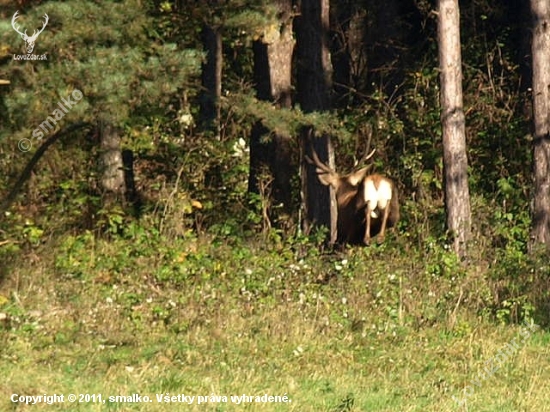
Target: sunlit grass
(343, 332)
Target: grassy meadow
(383, 328)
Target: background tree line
(217, 98)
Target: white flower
(186, 119)
(240, 148)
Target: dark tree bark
(314, 76)
(132, 195)
(540, 11)
(455, 161)
(273, 76)
(211, 80)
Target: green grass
(333, 332)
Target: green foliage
(74, 258)
(283, 121)
(119, 67)
(253, 17)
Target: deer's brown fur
(367, 204)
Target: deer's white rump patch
(377, 194)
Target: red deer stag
(367, 205)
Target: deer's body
(367, 204)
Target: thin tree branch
(7, 202)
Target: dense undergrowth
(393, 326)
(411, 280)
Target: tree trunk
(540, 10)
(273, 76)
(455, 162)
(112, 166)
(314, 86)
(211, 80)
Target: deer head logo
(29, 40)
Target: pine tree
(108, 55)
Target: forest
(285, 205)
